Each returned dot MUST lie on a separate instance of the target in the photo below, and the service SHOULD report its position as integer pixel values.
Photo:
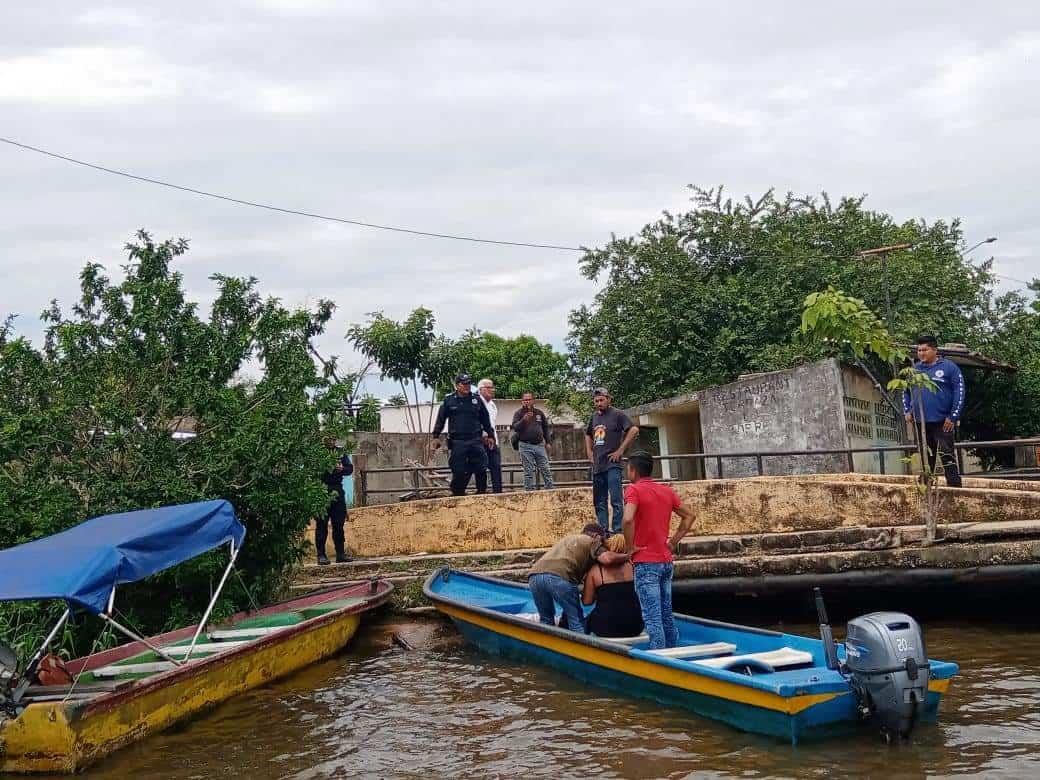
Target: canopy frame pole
(34, 662)
(137, 638)
(212, 602)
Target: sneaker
(344, 558)
(323, 560)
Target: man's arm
(608, 558)
(630, 436)
(588, 590)
(442, 417)
(545, 429)
(907, 405)
(518, 420)
(686, 518)
(588, 446)
(628, 526)
(485, 420)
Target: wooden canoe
(129, 692)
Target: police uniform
(467, 419)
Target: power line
(269, 207)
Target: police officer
(467, 419)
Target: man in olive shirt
(556, 577)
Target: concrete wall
(797, 409)
(870, 421)
(394, 450)
(738, 506)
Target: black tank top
(617, 612)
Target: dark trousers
(494, 458)
(940, 443)
(321, 532)
(607, 484)
(468, 458)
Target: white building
(395, 419)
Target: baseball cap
(464, 379)
(600, 391)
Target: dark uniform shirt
(466, 416)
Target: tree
(517, 365)
(367, 418)
(698, 298)
(86, 420)
(837, 320)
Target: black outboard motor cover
(886, 660)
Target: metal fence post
(718, 464)
(852, 462)
(881, 461)
(758, 462)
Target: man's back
(570, 558)
(654, 504)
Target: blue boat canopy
(83, 564)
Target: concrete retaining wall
(738, 506)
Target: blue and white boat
(761, 681)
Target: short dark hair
(594, 529)
(527, 392)
(642, 462)
(926, 338)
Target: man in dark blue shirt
(336, 513)
(467, 418)
(941, 407)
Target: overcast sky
(552, 123)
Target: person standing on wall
(607, 437)
(486, 391)
(942, 406)
(532, 431)
(467, 418)
(335, 514)
(649, 506)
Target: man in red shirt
(648, 512)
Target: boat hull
(66, 737)
(791, 717)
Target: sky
(550, 123)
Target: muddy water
(445, 710)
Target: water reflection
(445, 710)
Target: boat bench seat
(244, 633)
(202, 648)
(626, 640)
(696, 651)
(768, 661)
(149, 667)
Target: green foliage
(367, 418)
(397, 401)
(86, 423)
(836, 319)
(517, 365)
(698, 298)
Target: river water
(445, 710)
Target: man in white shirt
(486, 391)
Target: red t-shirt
(654, 503)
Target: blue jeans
(654, 588)
(534, 458)
(604, 483)
(549, 590)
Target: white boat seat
(626, 640)
(202, 648)
(534, 617)
(696, 651)
(118, 670)
(767, 661)
(243, 633)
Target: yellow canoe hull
(66, 737)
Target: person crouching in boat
(612, 589)
(648, 512)
(555, 577)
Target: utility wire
(279, 209)
(312, 215)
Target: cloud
(537, 122)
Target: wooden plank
(101, 686)
(150, 667)
(208, 648)
(243, 633)
(696, 651)
(626, 640)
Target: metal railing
(718, 459)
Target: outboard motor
(888, 668)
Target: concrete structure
(818, 406)
(394, 419)
(762, 505)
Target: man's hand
(948, 426)
(435, 444)
(489, 442)
(528, 416)
(615, 456)
(909, 417)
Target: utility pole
(883, 252)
